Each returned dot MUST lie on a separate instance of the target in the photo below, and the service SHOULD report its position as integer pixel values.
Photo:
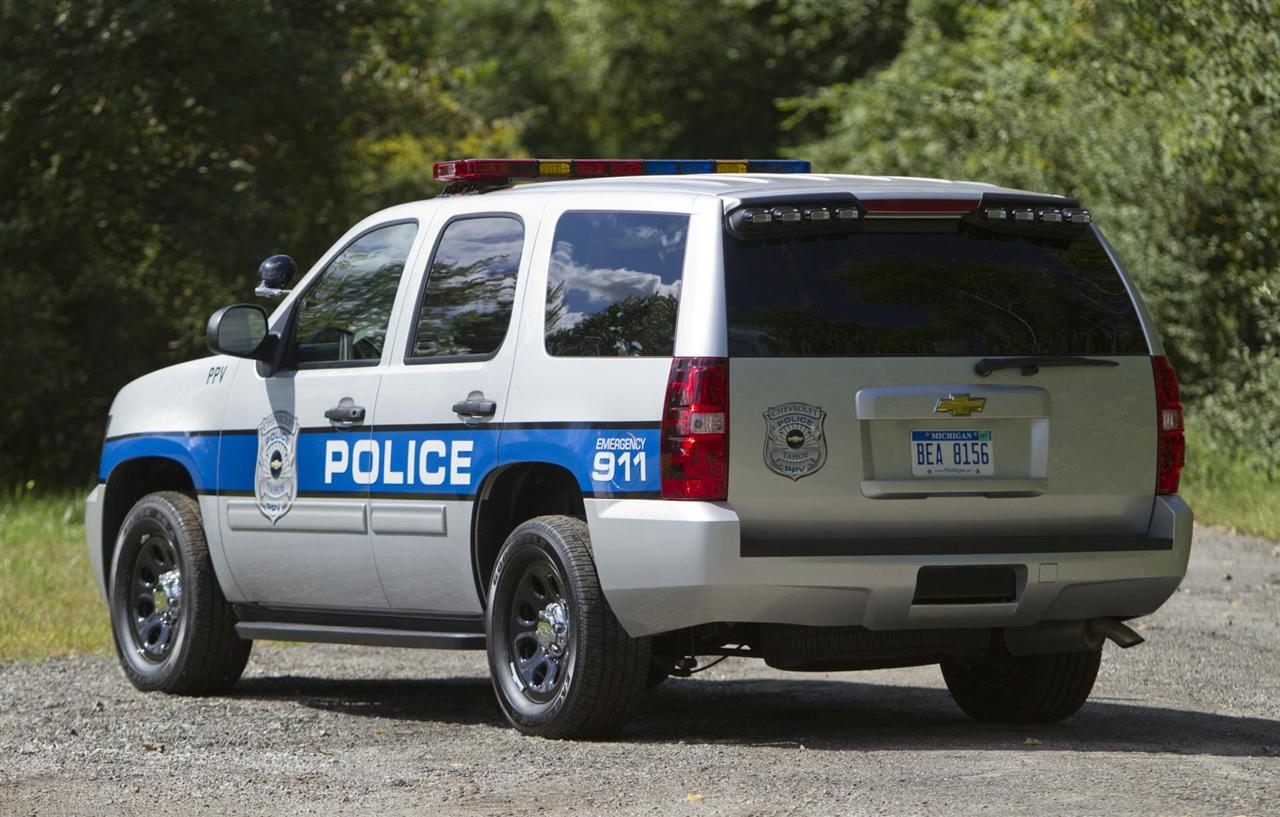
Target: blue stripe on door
(430, 462)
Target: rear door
(858, 412)
(442, 402)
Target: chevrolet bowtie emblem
(959, 405)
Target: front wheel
(173, 629)
(1003, 688)
(562, 666)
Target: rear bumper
(668, 565)
(93, 535)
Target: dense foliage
(1163, 118)
(152, 153)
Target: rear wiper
(1031, 365)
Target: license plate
(950, 453)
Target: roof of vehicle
(752, 185)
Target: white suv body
(385, 529)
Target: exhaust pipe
(1120, 633)
(1069, 636)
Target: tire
(1003, 688)
(561, 664)
(161, 563)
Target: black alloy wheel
(561, 663)
(173, 629)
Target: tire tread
(213, 656)
(1035, 689)
(610, 674)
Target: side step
(367, 636)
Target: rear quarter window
(613, 284)
(904, 294)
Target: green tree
(1163, 118)
(152, 154)
(681, 78)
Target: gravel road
(1187, 724)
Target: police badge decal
(794, 443)
(276, 482)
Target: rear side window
(471, 286)
(926, 294)
(613, 286)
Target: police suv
(655, 411)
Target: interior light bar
(498, 171)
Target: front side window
(471, 287)
(343, 317)
(613, 286)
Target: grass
(1224, 489)
(49, 602)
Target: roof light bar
(501, 171)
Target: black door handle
(474, 408)
(346, 414)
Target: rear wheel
(1003, 688)
(173, 629)
(562, 665)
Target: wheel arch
(513, 494)
(129, 481)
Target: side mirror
(240, 331)
(275, 273)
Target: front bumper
(669, 565)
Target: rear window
(926, 294)
(613, 285)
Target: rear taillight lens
(695, 429)
(1171, 445)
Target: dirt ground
(1186, 724)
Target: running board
(367, 636)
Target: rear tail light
(1171, 445)
(695, 429)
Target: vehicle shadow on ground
(816, 714)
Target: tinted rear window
(926, 294)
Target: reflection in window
(470, 288)
(922, 293)
(344, 316)
(614, 284)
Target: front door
(297, 456)
(439, 408)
